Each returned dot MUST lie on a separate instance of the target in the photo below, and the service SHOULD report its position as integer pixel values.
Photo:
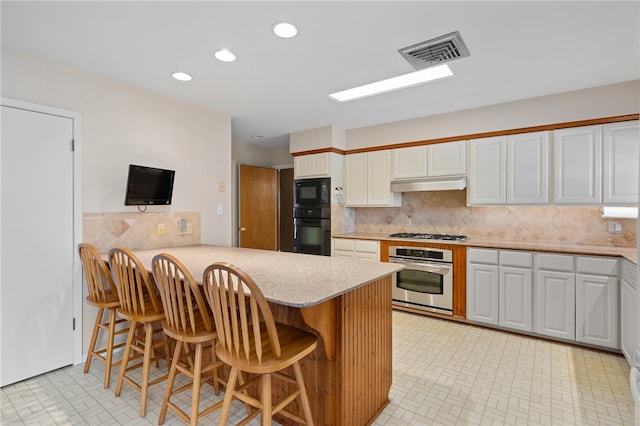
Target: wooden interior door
(258, 207)
(37, 279)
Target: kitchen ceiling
(276, 86)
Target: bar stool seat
(102, 294)
(143, 309)
(249, 340)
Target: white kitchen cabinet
(510, 169)
(312, 165)
(409, 163)
(628, 309)
(356, 249)
(516, 294)
(487, 173)
(447, 159)
(554, 297)
(482, 286)
(621, 143)
(528, 168)
(577, 155)
(597, 301)
(368, 180)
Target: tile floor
(444, 373)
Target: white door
(37, 278)
(516, 298)
(597, 310)
(482, 293)
(487, 171)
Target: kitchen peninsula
(346, 303)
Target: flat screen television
(148, 186)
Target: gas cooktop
(420, 236)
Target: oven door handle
(436, 268)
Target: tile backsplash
(139, 230)
(446, 212)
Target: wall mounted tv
(148, 186)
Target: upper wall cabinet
(510, 169)
(578, 165)
(441, 159)
(409, 163)
(487, 171)
(312, 165)
(367, 180)
(447, 159)
(621, 142)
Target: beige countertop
(291, 279)
(560, 247)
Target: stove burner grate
(421, 236)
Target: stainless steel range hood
(430, 184)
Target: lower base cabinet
(356, 249)
(573, 298)
(628, 322)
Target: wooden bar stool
(249, 340)
(103, 295)
(141, 307)
(188, 321)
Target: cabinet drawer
(597, 266)
(344, 244)
(482, 256)
(520, 259)
(555, 262)
(366, 246)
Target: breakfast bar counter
(346, 302)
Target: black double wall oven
(312, 216)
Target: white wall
(599, 102)
(123, 124)
(261, 156)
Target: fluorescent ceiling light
(225, 56)
(619, 212)
(394, 83)
(182, 76)
(285, 30)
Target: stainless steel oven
(426, 282)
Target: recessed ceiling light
(394, 83)
(225, 56)
(285, 29)
(182, 76)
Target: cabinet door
(312, 165)
(528, 168)
(447, 159)
(554, 299)
(628, 306)
(379, 178)
(516, 298)
(301, 166)
(409, 163)
(482, 293)
(597, 310)
(578, 165)
(621, 150)
(355, 180)
(487, 171)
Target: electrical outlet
(160, 229)
(615, 227)
(407, 222)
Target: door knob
(242, 228)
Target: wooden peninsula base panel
(348, 377)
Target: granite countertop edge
(629, 253)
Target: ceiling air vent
(435, 51)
